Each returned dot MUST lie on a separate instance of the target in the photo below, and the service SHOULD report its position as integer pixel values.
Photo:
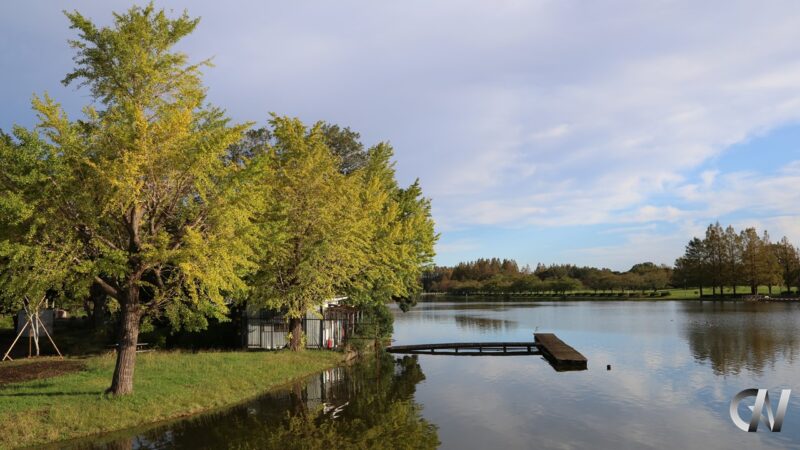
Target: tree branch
(108, 288)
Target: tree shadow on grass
(53, 394)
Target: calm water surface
(675, 368)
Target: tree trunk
(296, 399)
(753, 289)
(120, 444)
(701, 291)
(296, 327)
(122, 382)
(98, 297)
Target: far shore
(677, 294)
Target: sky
(594, 133)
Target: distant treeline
(723, 258)
(494, 275)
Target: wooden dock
(469, 349)
(561, 356)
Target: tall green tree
(732, 242)
(312, 230)
(346, 144)
(692, 268)
(140, 196)
(772, 266)
(400, 233)
(761, 265)
(789, 261)
(714, 246)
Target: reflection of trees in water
(483, 323)
(368, 405)
(381, 413)
(739, 336)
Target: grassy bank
(168, 385)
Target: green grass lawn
(167, 385)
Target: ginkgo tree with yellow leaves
(157, 200)
(312, 232)
(137, 196)
(334, 228)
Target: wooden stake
(34, 329)
(15, 341)
(48, 337)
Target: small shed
(329, 326)
(46, 319)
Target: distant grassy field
(167, 385)
(6, 322)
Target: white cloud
(512, 113)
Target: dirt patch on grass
(37, 370)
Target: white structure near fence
(326, 327)
(45, 322)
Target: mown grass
(167, 385)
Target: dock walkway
(560, 355)
(469, 348)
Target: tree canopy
(157, 200)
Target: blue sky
(548, 131)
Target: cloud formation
(514, 114)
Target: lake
(675, 365)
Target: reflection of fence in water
(320, 390)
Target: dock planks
(469, 349)
(561, 356)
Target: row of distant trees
(723, 258)
(493, 275)
(730, 258)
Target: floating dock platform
(561, 356)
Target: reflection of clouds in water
(653, 360)
(657, 395)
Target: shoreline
(529, 297)
(68, 415)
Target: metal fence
(272, 333)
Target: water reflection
(676, 366)
(368, 405)
(737, 336)
(483, 323)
